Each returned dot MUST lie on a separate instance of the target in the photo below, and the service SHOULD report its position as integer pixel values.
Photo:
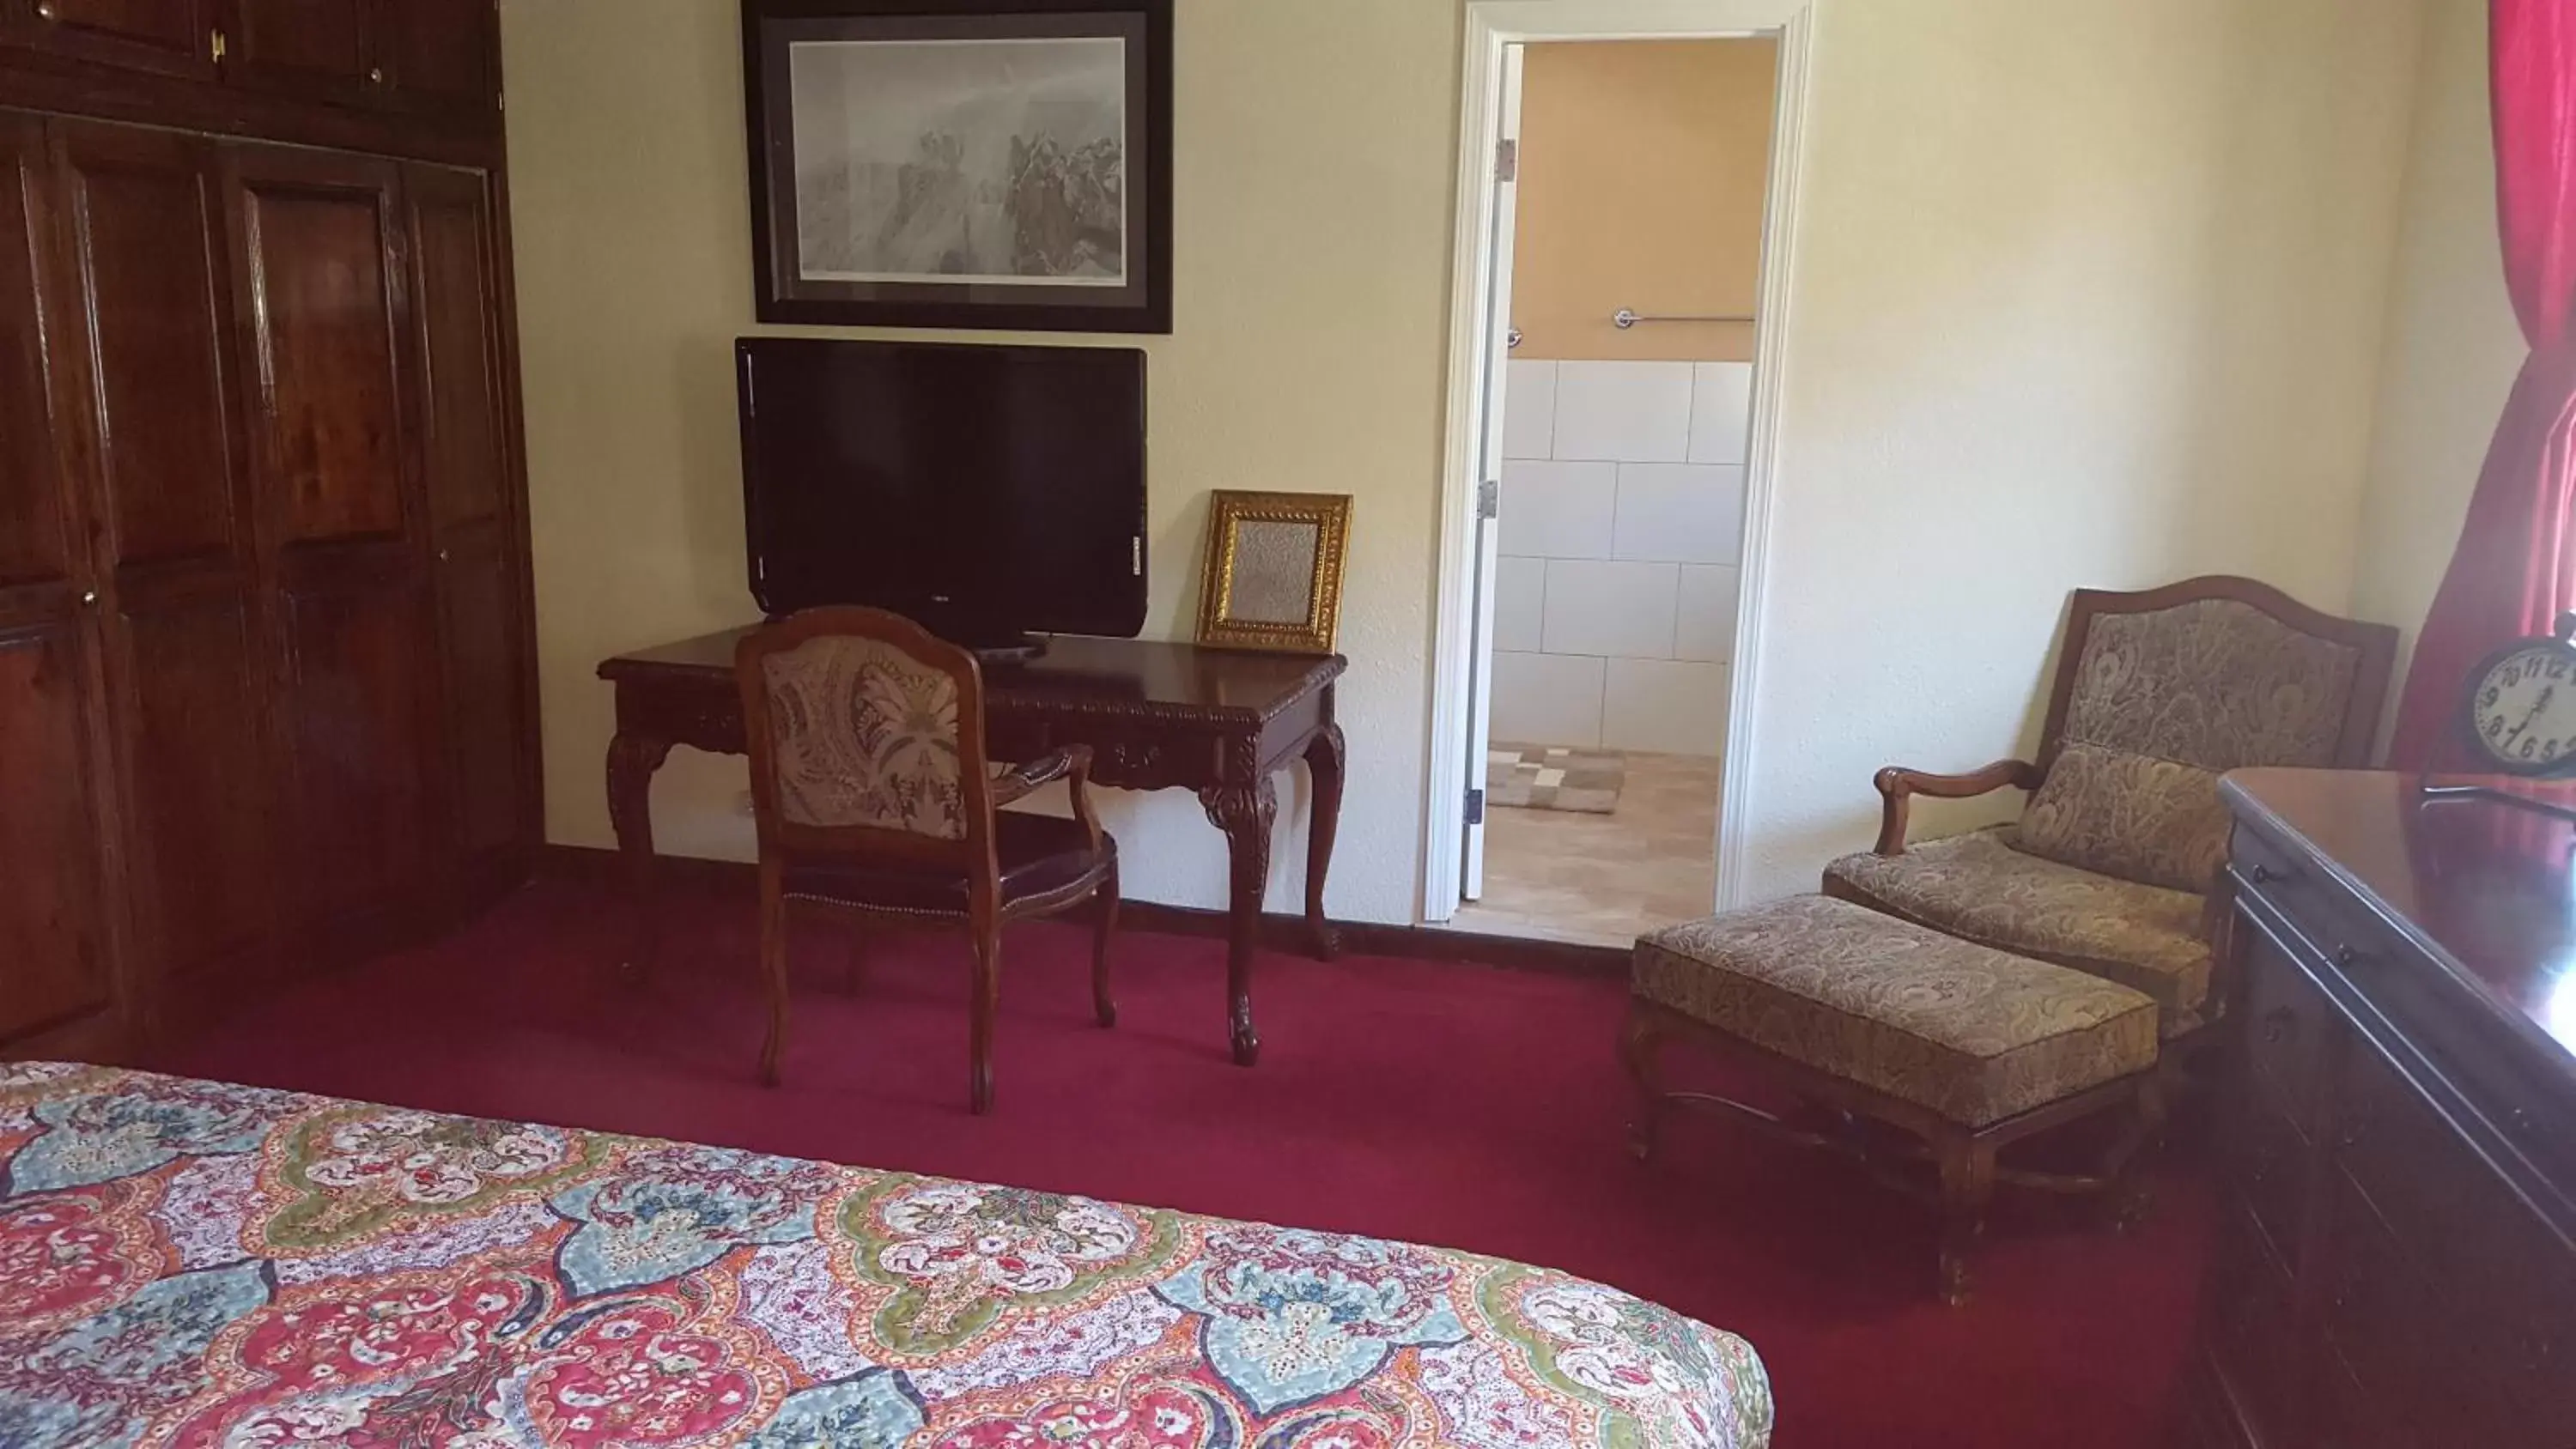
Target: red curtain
(2515, 567)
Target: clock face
(2523, 711)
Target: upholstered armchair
(2112, 866)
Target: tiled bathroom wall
(1622, 544)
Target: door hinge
(1507, 160)
(1489, 498)
(1475, 807)
(215, 45)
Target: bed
(193, 1263)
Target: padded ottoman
(1966, 1047)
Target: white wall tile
(1520, 595)
(1558, 510)
(1529, 409)
(1547, 699)
(1610, 608)
(1721, 412)
(1679, 512)
(1665, 706)
(1625, 412)
(1704, 616)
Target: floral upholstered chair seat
(2110, 868)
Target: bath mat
(1553, 777)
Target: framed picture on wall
(961, 163)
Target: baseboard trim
(593, 865)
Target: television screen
(983, 491)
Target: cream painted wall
(2453, 345)
(2089, 292)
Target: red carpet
(1447, 1104)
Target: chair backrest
(866, 736)
(2159, 692)
(2218, 672)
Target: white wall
(2453, 345)
(1622, 543)
(2089, 292)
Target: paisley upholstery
(2214, 683)
(2156, 822)
(1980, 888)
(2164, 702)
(865, 735)
(1974, 1034)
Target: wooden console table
(1157, 716)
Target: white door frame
(1492, 25)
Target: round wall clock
(2520, 713)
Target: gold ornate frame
(1329, 514)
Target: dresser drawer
(2499, 1282)
(2251, 1332)
(2286, 1022)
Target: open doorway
(1617, 392)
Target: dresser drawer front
(2251, 1330)
(2498, 1283)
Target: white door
(1489, 473)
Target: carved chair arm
(1897, 786)
(1073, 763)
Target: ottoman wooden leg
(1640, 1050)
(1967, 1186)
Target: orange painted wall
(1643, 166)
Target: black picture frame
(785, 290)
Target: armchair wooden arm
(1073, 763)
(1898, 785)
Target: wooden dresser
(2396, 1119)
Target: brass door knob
(375, 75)
(89, 598)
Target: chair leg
(987, 997)
(773, 975)
(1967, 1186)
(2132, 1186)
(1104, 925)
(1640, 1050)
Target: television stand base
(992, 649)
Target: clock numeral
(2488, 699)
(2495, 727)
(2530, 747)
(2512, 674)
(2558, 666)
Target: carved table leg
(1324, 755)
(632, 758)
(1244, 812)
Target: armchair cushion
(2137, 817)
(1980, 888)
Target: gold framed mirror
(1273, 576)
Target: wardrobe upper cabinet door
(438, 54)
(172, 37)
(318, 274)
(58, 986)
(317, 49)
(151, 334)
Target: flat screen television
(983, 491)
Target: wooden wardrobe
(267, 699)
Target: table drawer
(2287, 1021)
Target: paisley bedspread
(191, 1263)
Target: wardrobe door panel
(55, 972)
(58, 983)
(176, 547)
(314, 49)
(437, 54)
(354, 697)
(171, 37)
(327, 360)
(319, 278)
(481, 638)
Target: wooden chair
(875, 803)
(2114, 865)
